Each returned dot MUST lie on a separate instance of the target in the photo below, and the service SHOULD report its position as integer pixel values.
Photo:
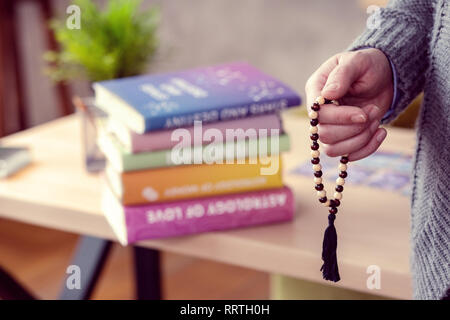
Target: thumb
(341, 79)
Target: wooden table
(56, 192)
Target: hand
(362, 83)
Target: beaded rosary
(329, 268)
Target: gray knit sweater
(415, 35)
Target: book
(13, 159)
(177, 218)
(124, 161)
(209, 94)
(191, 181)
(133, 142)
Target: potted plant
(118, 40)
(114, 42)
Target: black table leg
(11, 289)
(147, 274)
(90, 257)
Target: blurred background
(288, 39)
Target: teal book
(240, 151)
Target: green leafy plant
(115, 42)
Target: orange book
(192, 181)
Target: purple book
(136, 223)
(177, 99)
(161, 140)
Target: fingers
(353, 144)
(340, 80)
(318, 79)
(370, 147)
(331, 114)
(332, 133)
(337, 75)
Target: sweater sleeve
(402, 31)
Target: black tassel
(330, 268)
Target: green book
(234, 152)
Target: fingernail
(358, 118)
(381, 136)
(332, 86)
(374, 112)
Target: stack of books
(194, 151)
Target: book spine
(208, 214)
(241, 149)
(222, 114)
(160, 140)
(191, 181)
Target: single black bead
(314, 136)
(323, 200)
(314, 122)
(343, 174)
(337, 203)
(315, 146)
(319, 187)
(344, 160)
(315, 107)
(339, 188)
(318, 174)
(315, 160)
(333, 210)
(332, 203)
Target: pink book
(161, 140)
(136, 223)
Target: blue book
(172, 100)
